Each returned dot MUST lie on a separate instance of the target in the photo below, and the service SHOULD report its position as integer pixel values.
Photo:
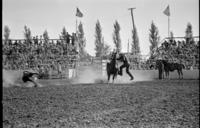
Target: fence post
(104, 67)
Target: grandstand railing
(136, 63)
(68, 61)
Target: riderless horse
(170, 67)
(112, 68)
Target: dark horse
(170, 67)
(112, 68)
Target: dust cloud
(94, 75)
(14, 78)
(10, 78)
(144, 75)
(90, 75)
(139, 75)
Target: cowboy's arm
(127, 59)
(121, 57)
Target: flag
(167, 11)
(79, 13)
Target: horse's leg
(163, 71)
(178, 74)
(181, 74)
(113, 78)
(108, 78)
(168, 75)
(163, 74)
(116, 73)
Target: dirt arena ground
(142, 104)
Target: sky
(53, 15)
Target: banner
(79, 13)
(167, 11)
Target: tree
(27, 34)
(171, 38)
(189, 33)
(63, 37)
(116, 36)
(135, 45)
(98, 40)
(106, 49)
(64, 34)
(154, 38)
(45, 36)
(81, 39)
(6, 33)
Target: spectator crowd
(185, 52)
(30, 54)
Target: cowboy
(29, 77)
(125, 64)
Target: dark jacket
(27, 75)
(123, 59)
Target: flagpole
(76, 20)
(128, 47)
(77, 45)
(76, 25)
(167, 12)
(168, 26)
(76, 62)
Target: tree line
(101, 48)
(154, 37)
